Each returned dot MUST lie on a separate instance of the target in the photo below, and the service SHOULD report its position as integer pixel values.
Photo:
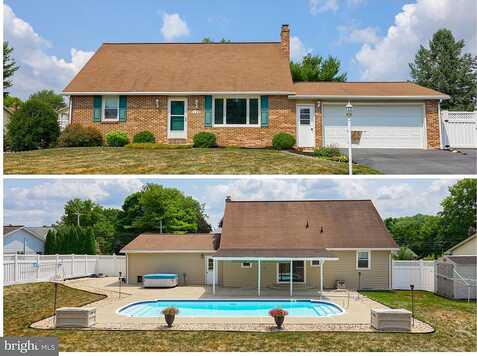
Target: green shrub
(156, 146)
(327, 152)
(144, 137)
(117, 138)
(79, 136)
(205, 140)
(341, 158)
(283, 141)
(33, 126)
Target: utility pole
(78, 214)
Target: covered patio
(291, 265)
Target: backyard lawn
(454, 322)
(108, 160)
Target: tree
(458, 213)
(316, 68)
(49, 97)
(445, 68)
(156, 208)
(69, 239)
(418, 233)
(12, 102)
(9, 67)
(33, 126)
(208, 40)
(89, 212)
(404, 253)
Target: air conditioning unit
(340, 284)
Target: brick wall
(144, 115)
(432, 124)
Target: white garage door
(386, 126)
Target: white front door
(209, 270)
(305, 123)
(177, 118)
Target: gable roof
(153, 242)
(363, 90)
(188, 68)
(38, 232)
(474, 236)
(303, 225)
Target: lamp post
(412, 303)
(349, 114)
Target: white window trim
(288, 282)
(369, 260)
(246, 265)
(225, 97)
(103, 107)
(313, 265)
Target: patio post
(322, 262)
(213, 275)
(259, 278)
(291, 278)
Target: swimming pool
(232, 308)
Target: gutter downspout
(70, 109)
(440, 124)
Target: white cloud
(359, 35)
(38, 70)
(298, 49)
(173, 27)
(387, 57)
(319, 6)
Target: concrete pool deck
(356, 317)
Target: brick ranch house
(244, 93)
(319, 241)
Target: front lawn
(108, 160)
(454, 322)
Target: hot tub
(159, 280)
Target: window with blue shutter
(264, 110)
(97, 108)
(208, 111)
(123, 108)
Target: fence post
(72, 265)
(115, 265)
(86, 264)
(37, 267)
(421, 274)
(56, 267)
(15, 272)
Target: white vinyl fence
(37, 268)
(459, 129)
(420, 273)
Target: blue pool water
(231, 308)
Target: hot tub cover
(160, 276)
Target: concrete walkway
(356, 317)
(416, 161)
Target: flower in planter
(279, 316)
(170, 314)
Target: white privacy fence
(418, 273)
(36, 268)
(459, 129)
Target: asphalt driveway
(415, 161)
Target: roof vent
(307, 225)
(228, 198)
(321, 230)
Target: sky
(37, 202)
(374, 39)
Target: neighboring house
(320, 242)
(244, 93)
(26, 240)
(468, 247)
(7, 113)
(63, 118)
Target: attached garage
(376, 125)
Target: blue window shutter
(123, 108)
(97, 108)
(264, 110)
(208, 111)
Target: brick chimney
(285, 41)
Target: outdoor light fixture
(412, 303)
(120, 283)
(349, 114)
(157, 103)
